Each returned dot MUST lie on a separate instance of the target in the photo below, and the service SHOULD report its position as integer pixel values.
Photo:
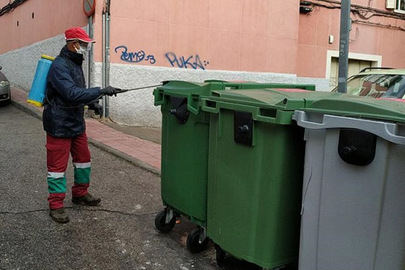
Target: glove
(110, 91)
(96, 107)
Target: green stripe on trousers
(82, 175)
(56, 185)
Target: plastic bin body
(184, 169)
(184, 149)
(184, 163)
(254, 183)
(353, 216)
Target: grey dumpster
(353, 208)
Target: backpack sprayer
(37, 92)
(36, 95)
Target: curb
(137, 162)
(25, 108)
(134, 161)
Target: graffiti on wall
(192, 61)
(135, 57)
(187, 62)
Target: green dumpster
(255, 170)
(184, 171)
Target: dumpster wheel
(197, 240)
(161, 223)
(220, 256)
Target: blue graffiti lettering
(192, 61)
(135, 57)
(151, 59)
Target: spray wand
(138, 88)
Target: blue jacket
(66, 95)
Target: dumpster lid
(283, 98)
(360, 107)
(181, 87)
(239, 91)
(267, 105)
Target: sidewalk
(140, 152)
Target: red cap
(77, 33)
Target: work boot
(59, 215)
(87, 200)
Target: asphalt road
(117, 235)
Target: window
(354, 68)
(396, 5)
(400, 5)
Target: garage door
(354, 67)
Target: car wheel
(5, 102)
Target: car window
(377, 85)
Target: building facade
(156, 40)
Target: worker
(63, 120)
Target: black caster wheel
(194, 245)
(160, 222)
(220, 255)
(293, 266)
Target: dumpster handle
(191, 107)
(159, 97)
(252, 85)
(266, 115)
(209, 106)
(387, 131)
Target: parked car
(378, 83)
(5, 94)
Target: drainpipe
(103, 61)
(107, 49)
(90, 55)
(106, 56)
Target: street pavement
(117, 235)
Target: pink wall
(98, 32)
(51, 18)
(315, 28)
(225, 35)
(235, 35)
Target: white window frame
(376, 60)
(391, 4)
(397, 7)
